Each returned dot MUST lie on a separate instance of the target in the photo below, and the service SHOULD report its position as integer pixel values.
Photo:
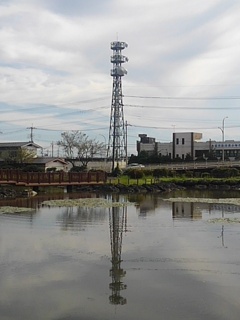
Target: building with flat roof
(188, 145)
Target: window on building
(183, 140)
(183, 156)
(177, 141)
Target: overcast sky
(183, 69)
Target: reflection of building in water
(188, 210)
(147, 203)
(117, 222)
(224, 206)
(193, 210)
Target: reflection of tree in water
(77, 218)
(28, 202)
(117, 223)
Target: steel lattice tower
(117, 135)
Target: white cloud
(53, 54)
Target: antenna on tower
(117, 140)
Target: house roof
(43, 160)
(19, 144)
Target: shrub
(172, 173)
(188, 174)
(117, 171)
(135, 173)
(205, 175)
(32, 168)
(157, 173)
(53, 169)
(78, 169)
(225, 172)
(197, 174)
(148, 172)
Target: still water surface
(151, 260)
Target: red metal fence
(51, 178)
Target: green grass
(125, 180)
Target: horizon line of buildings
(187, 145)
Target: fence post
(27, 177)
(17, 176)
(49, 178)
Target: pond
(149, 259)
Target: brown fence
(51, 178)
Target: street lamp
(222, 129)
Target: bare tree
(78, 145)
(68, 142)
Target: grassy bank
(184, 181)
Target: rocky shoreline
(10, 192)
(15, 192)
(156, 187)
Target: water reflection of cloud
(78, 218)
(61, 290)
(171, 268)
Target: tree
(20, 156)
(78, 145)
(25, 156)
(68, 142)
(8, 156)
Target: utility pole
(126, 143)
(52, 144)
(223, 138)
(31, 133)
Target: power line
(83, 101)
(184, 98)
(50, 105)
(180, 128)
(179, 107)
(59, 115)
(45, 129)
(182, 86)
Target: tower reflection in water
(117, 223)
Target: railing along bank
(51, 178)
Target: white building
(187, 145)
